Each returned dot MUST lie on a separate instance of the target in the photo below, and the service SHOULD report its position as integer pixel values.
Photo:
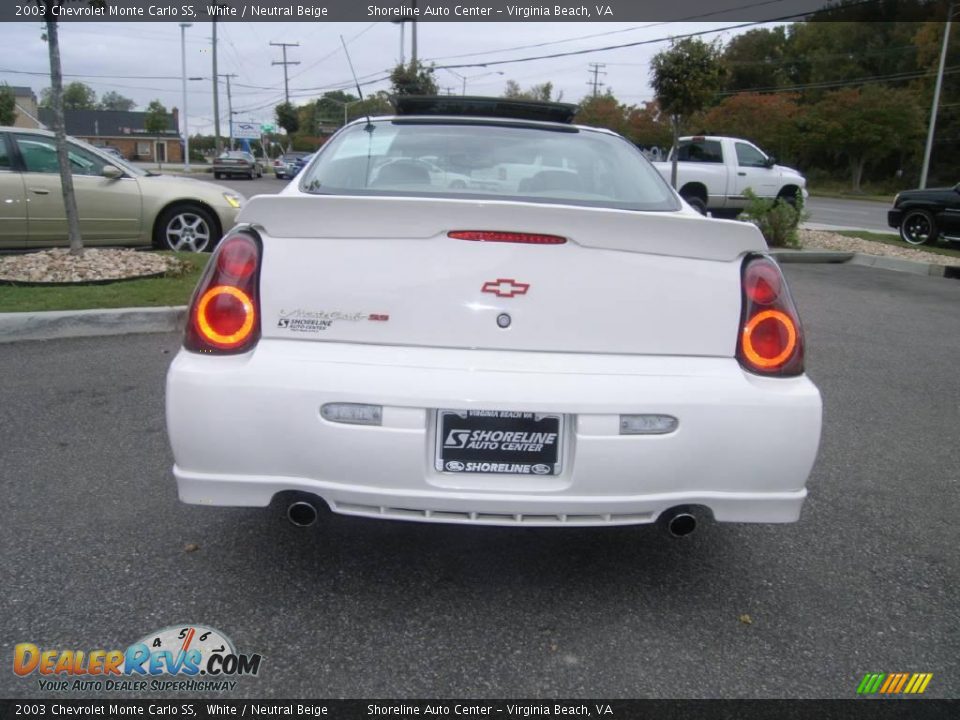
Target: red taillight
(771, 339)
(225, 310)
(507, 237)
(237, 258)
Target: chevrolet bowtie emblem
(505, 287)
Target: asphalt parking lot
(95, 544)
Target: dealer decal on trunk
(315, 321)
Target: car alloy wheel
(188, 231)
(918, 228)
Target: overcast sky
(133, 54)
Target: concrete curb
(877, 261)
(89, 323)
(811, 256)
(907, 266)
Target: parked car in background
(569, 348)
(286, 165)
(923, 216)
(110, 150)
(714, 172)
(236, 162)
(119, 203)
(301, 162)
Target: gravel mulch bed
(57, 266)
(825, 240)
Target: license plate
(499, 442)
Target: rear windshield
(489, 160)
(705, 151)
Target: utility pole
(183, 86)
(230, 104)
(216, 96)
(936, 101)
(413, 37)
(286, 86)
(595, 68)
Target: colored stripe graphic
(901, 683)
(894, 683)
(891, 681)
(920, 684)
(870, 683)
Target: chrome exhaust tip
(682, 524)
(302, 514)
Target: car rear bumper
(894, 217)
(234, 169)
(244, 428)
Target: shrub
(777, 219)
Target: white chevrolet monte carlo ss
(476, 312)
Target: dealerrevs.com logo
(182, 658)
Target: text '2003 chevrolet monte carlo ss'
(476, 312)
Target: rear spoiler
(658, 233)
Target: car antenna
(353, 72)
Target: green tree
(755, 59)
(602, 111)
(76, 95)
(8, 105)
(157, 120)
(115, 101)
(542, 92)
(376, 104)
(862, 126)
(649, 126)
(685, 78)
(769, 120)
(413, 79)
(288, 118)
(333, 106)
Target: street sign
(246, 130)
(268, 128)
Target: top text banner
(419, 10)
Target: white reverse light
(647, 424)
(352, 413)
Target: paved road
(94, 538)
(861, 214)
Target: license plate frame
(519, 443)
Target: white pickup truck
(713, 173)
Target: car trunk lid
(384, 270)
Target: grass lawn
(153, 292)
(941, 248)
